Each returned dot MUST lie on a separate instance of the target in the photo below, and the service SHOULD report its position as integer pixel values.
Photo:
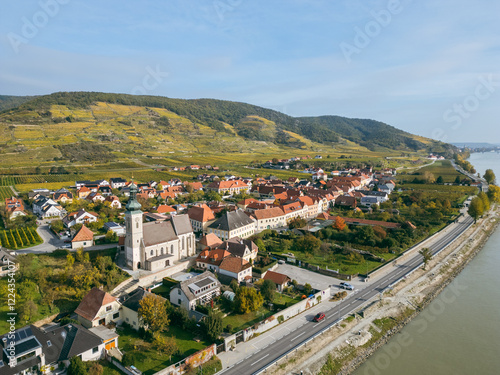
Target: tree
(476, 208)
(494, 194)
(426, 255)
(267, 289)
(165, 345)
(298, 222)
(486, 201)
(76, 366)
(429, 177)
(307, 289)
(307, 244)
(439, 180)
(489, 176)
(57, 226)
(29, 309)
(339, 224)
(457, 180)
(95, 369)
(247, 300)
(213, 325)
(153, 312)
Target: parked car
(347, 286)
(66, 246)
(319, 317)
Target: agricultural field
(441, 168)
(19, 238)
(5, 192)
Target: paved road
(267, 355)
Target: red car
(319, 317)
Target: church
(156, 245)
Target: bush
(127, 359)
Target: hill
(66, 126)
(10, 101)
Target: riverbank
(342, 349)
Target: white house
(98, 308)
(232, 224)
(200, 289)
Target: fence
(276, 319)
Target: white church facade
(156, 245)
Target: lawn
(242, 321)
(147, 359)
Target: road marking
(259, 360)
(297, 336)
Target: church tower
(133, 225)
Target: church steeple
(132, 205)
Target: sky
(429, 67)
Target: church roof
(158, 232)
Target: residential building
(228, 187)
(210, 241)
(39, 348)
(241, 248)
(200, 217)
(130, 307)
(236, 268)
(232, 224)
(83, 238)
(63, 196)
(98, 308)
(199, 290)
(114, 227)
(113, 201)
(279, 279)
(14, 207)
(269, 218)
(45, 208)
(117, 182)
(8, 262)
(79, 217)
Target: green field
(5, 192)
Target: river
(459, 332)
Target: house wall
(131, 317)
(178, 298)
(78, 244)
(89, 355)
(107, 315)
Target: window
(49, 344)
(95, 350)
(151, 252)
(116, 316)
(108, 308)
(179, 301)
(127, 319)
(178, 291)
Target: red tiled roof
(277, 278)
(234, 264)
(210, 240)
(268, 213)
(84, 234)
(201, 213)
(92, 302)
(164, 208)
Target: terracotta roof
(214, 257)
(210, 240)
(291, 207)
(164, 208)
(92, 302)
(277, 278)
(268, 213)
(247, 201)
(84, 234)
(227, 184)
(234, 264)
(201, 213)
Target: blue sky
(427, 67)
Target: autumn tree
(489, 176)
(298, 222)
(494, 194)
(247, 300)
(486, 201)
(339, 224)
(476, 208)
(29, 310)
(429, 177)
(153, 312)
(426, 255)
(165, 345)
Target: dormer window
(108, 308)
